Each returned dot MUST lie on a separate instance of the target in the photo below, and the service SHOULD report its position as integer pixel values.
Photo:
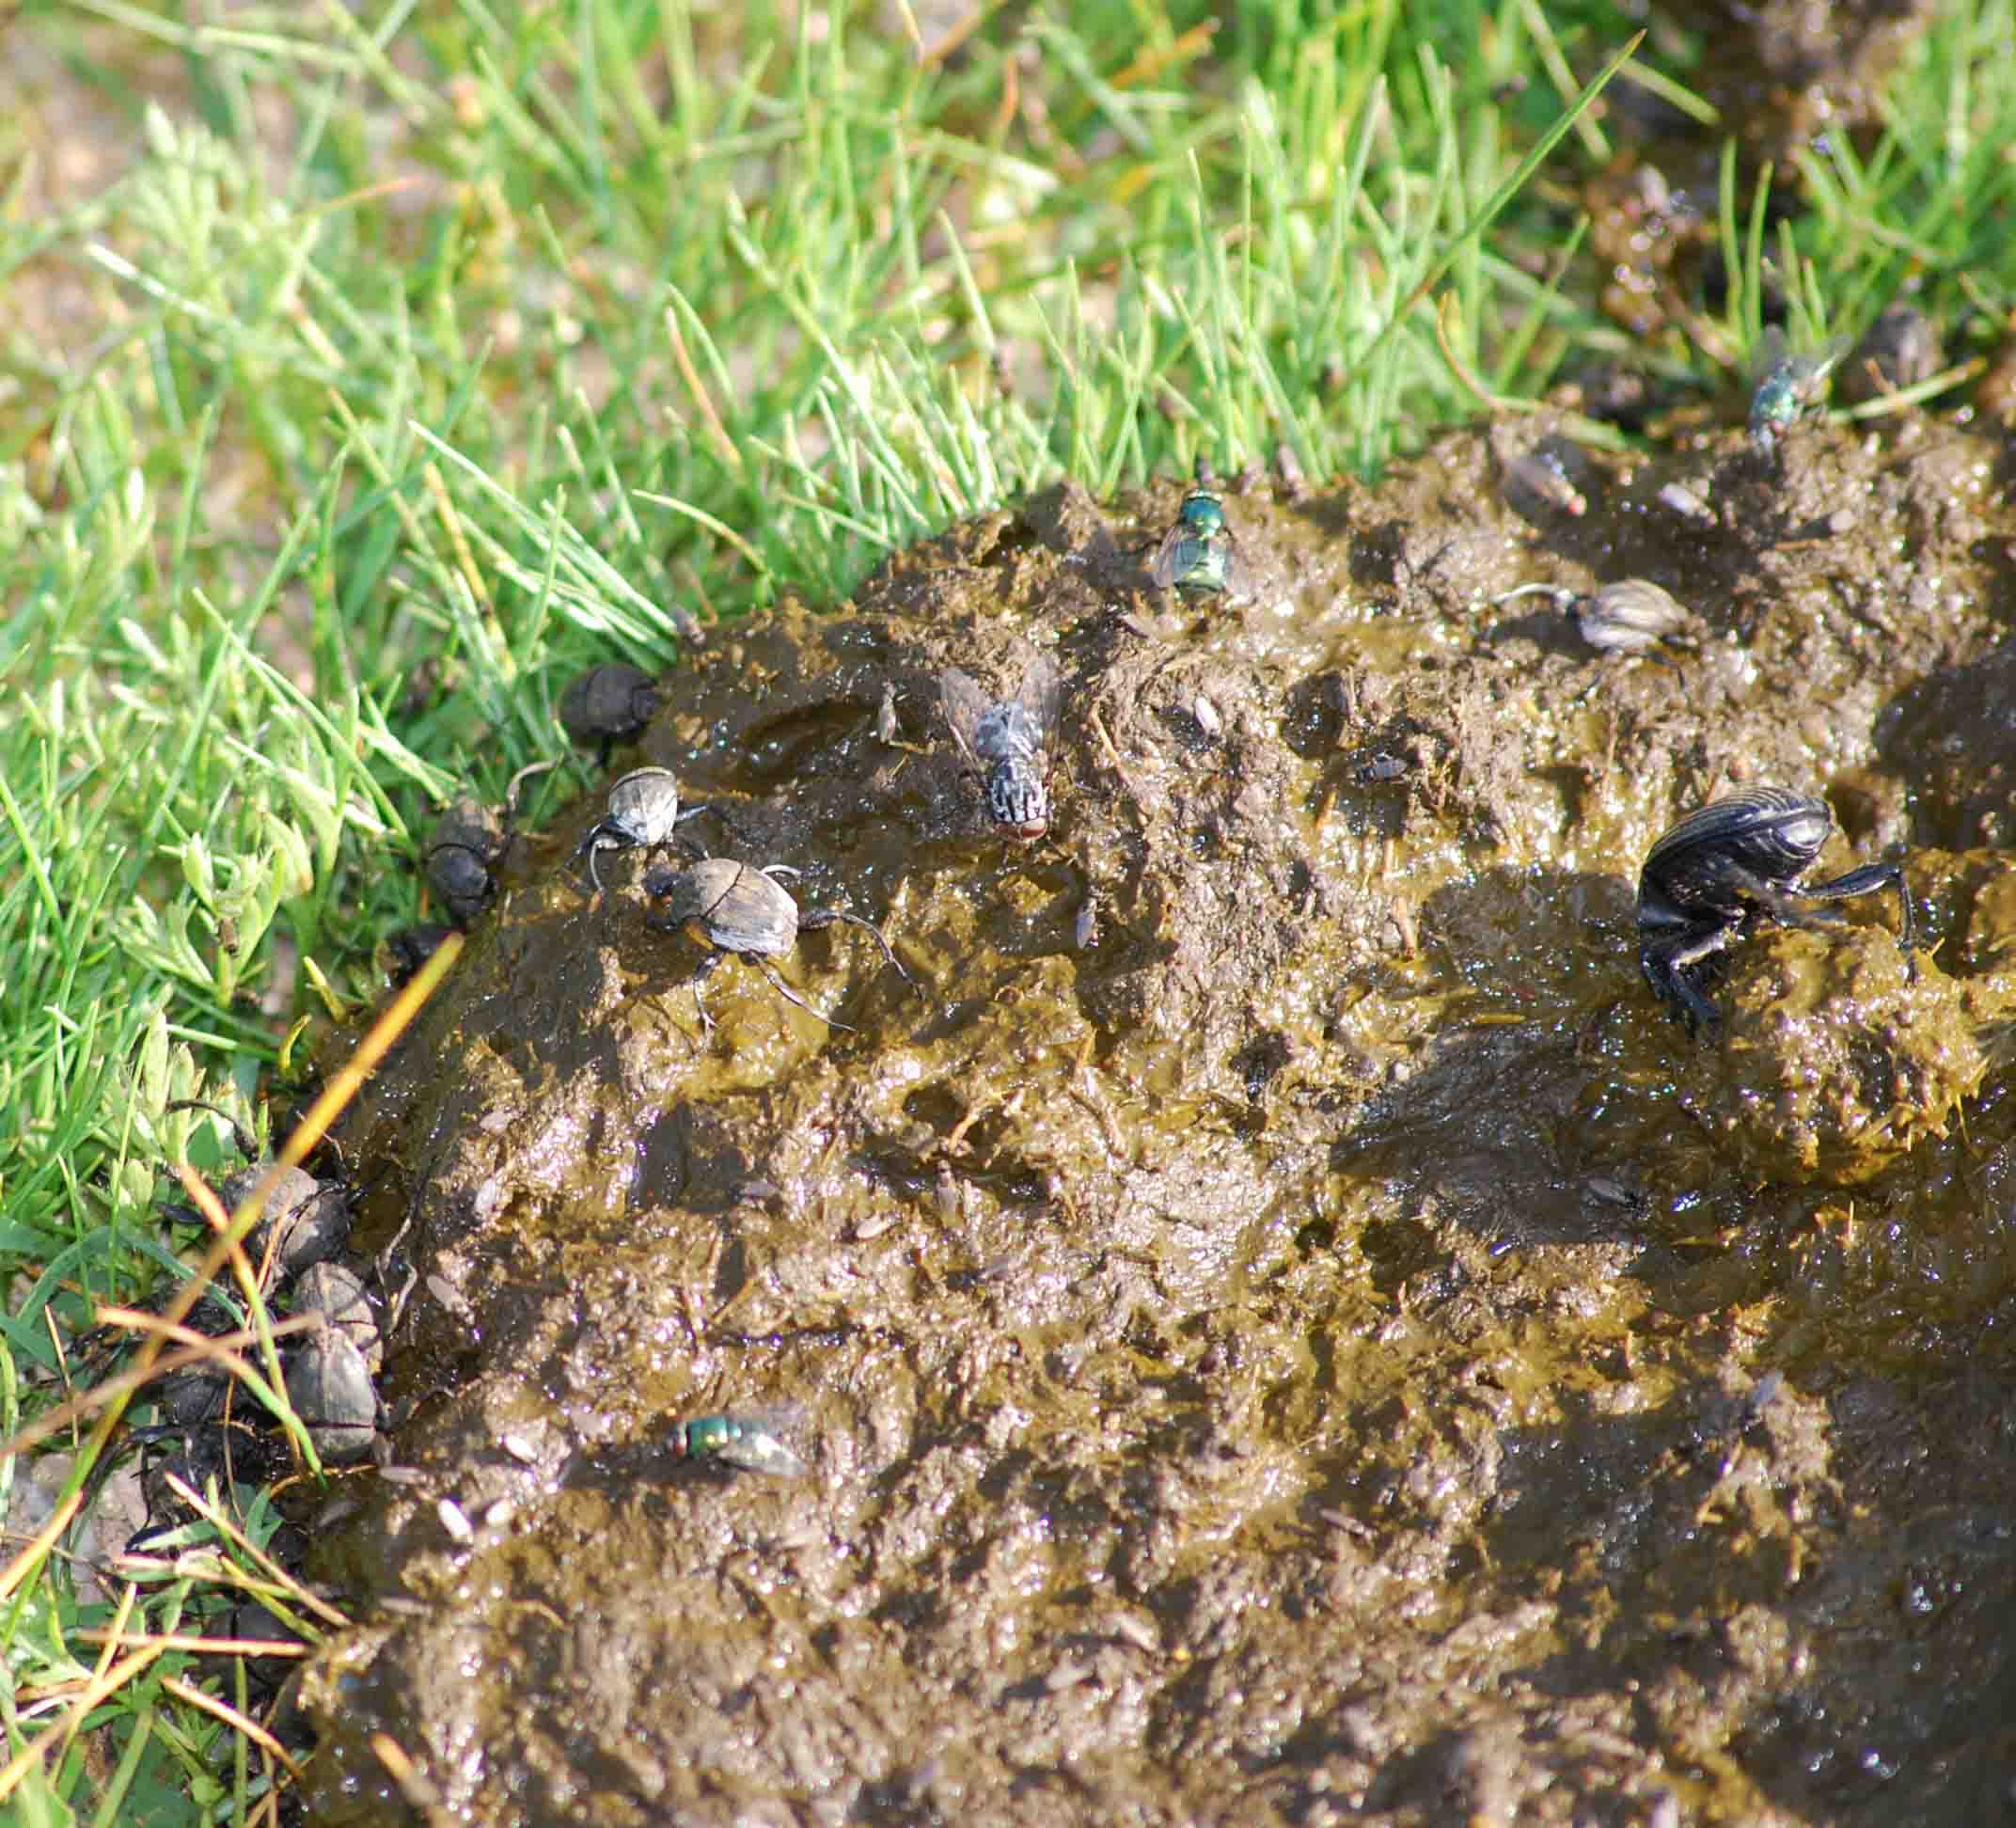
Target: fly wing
(1041, 696)
(1816, 365)
(1162, 567)
(1236, 577)
(1768, 355)
(964, 706)
(760, 1441)
(757, 1450)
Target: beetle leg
(784, 990)
(1677, 989)
(239, 1135)
(518, 780)
(1664, 963)
(1867, 880)
(1780, 904)
(709, 960)
(1561, 597)
(685, 813)
(822, 917)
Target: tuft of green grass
(414, 357)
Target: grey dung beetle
(1628, 617)
(643, 809)
(1728, 868)
(306, 1220)
(731, 908)
(1007, 741)
(608, 704)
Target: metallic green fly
(735, 1441)
(1197, 553)
(1786, 383)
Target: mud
(1282, 1325)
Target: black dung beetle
(1628, 617)
(468, 838)
(1728, 867)
(468, 842)
(404, 949)
(608, 704)
(643, 809)
(732, 908)
(306, 1220)
(1006, 742)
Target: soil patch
(1280, 1324)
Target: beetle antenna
(518, 780)
(1561, 595)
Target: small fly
(1007, 741)
(1197, 553)
(735, 1441)
(1786, 383)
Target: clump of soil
(1837, 1059)
(1280, 1324)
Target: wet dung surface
(1279, 1323)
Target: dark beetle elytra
(643, 809)
(468, 838)
(608, 704)
(329, 1385)
(1731, 866)
(1007, 741)
(404, 949)
(732, 907)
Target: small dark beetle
(467, 839)
(643, 809)
(1628, 617)
(1007, 741)
(468, 842)
(306, 1220)
(1729, 868)
(608, 704)
(329, 1385)
(732, 908)
(404, 949)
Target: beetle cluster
(330, 1358)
